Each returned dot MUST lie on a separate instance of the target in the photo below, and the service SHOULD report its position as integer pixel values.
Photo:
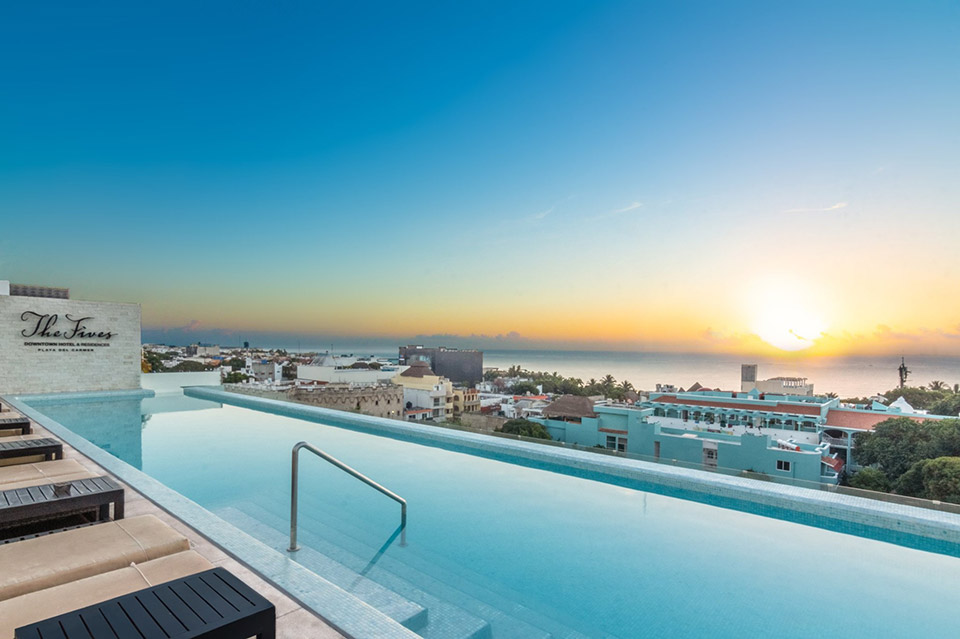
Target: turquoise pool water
(498, 549)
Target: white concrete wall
(164, 383)
(62, 360)
(333, 375)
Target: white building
(348, 369)
(774, 385)
(264, 370)
(434, 399)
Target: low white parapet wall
(163, 383)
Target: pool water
(497, 549)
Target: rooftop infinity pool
(499, 547)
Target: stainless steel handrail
(294, 472)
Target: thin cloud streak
(632, 206)
(835, 207)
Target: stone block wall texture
(383, 400)
(482, 422)
(31, 362)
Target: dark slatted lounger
(212, 604)
(48, 447)
(15, 422)
(21, 506)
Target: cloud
(834, 207)
(543, 214)
(630, 207)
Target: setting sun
(784, 321)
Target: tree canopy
(525, 428)
(909, 454)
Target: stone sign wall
(52, 345)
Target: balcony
(835, 441)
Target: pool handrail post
(294, 490)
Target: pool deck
(293, 620)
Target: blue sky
(409, 169)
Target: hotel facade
(791, 437)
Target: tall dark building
(461, 366)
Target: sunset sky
(700, 176)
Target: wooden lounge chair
(23, 449)
(14, 425)
(34, 504)
(50, 560)
(212, 604)
(36, 606)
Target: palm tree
(626, 386)
(937, 385)
(608, 384)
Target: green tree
(608, 384)
(911, 482)
(894, 445)
(937, 385)
(937, 478)
(941, 479)
(870, 478)
(235, 377)
(188, 367)
(522, 388)
(525, 428)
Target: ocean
(848, 377)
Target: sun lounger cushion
(39, 470)
(43, 604)
(40, 481)
(13, 438)
(51, 560)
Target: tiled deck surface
(293, 621)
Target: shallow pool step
(412, 577)
(467, 589)
(408, 613)
(443, 619)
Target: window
(783, 465)
(617, 443)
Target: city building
(264, 370)
(776, 385)
(465, 400)
(459, 366)
(379, 400)
(348, 369)
(796, 437)
(203, 350)
(422, 388)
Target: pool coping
(937, 526)
(343, 611)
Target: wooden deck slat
(144, 623)
(224, 589)
(160, 613)
(98, 626)
(119, 621)
(201, 608)
(187, 617)
(74, 629)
